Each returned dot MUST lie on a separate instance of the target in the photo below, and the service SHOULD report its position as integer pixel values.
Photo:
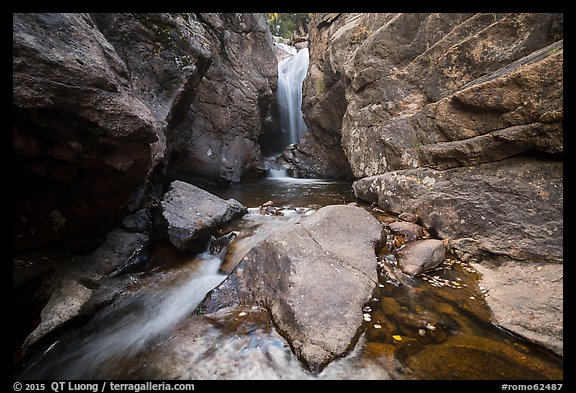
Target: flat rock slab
(421, 255)
(189, 213)
(507, 209)
(315, 276)
(527, 298)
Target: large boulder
(189, 213)
(398, 91)
(314, 276)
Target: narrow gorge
(372, 196)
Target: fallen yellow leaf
(397, 337)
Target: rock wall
(456, 118)
(403, 92)
(399, 91)
(101, 101)
(218, 140)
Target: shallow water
(436, 326)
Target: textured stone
(421, 255)
(189, 214)
(315, 276)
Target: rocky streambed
(313, 284)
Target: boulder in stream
(421, 255)
(315, 276)
(189, 213)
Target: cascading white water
(291, 74)
(129, 324)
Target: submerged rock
(315, 276)
(189, 213)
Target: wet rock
(409, 217)
(407, 347)
(408, 230)
(321, 318)
(78, 278)
(421, 255)
(389, 305)
(188, 214)
(314, 158)
(527, 300)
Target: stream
(437, 327)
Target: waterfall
(291, 74)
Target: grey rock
(320, 317)
(409, 230)
(421, 255)
(511, 209)
(527, 299)
(399, 91)
(139, 221)
(94, 97)
(218, 139)
(79, 278)
(189, 213)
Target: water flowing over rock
(189, 214)
(315, 276)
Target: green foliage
(286, 24)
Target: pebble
(429, 326)
(472, 297)
(242, 313)
(421, 332)
(376, 326)
(367, 317)
(367, 309)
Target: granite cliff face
(101, 101)
(456, 118)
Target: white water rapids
(128, 325)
